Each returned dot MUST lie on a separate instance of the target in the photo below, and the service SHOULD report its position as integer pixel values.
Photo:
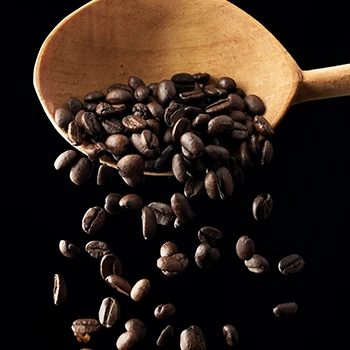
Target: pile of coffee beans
(208, 134)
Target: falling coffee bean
(192, 339)
(110, 265)
(210, 235)
(109, 312)
(140, 289)
(168, 249)
(85, 326)
(68, 249)
(291, 264)
(93, 220)
(59, 289)
(127, 340)
(257, 264)
(245, 248)
(231, 335)
(165, 336)
(262, 206)
(149, 222)
(97, 249)
(119, 283)
(136, 326)
(285, 309)
(163, 311)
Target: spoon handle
(323, 83)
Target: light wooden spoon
(106, 41)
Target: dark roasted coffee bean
(110, 265)
(237, 102)
(239, 132)
(141, 110)
(192, 144)
(240, 92)
(200, 122)
(217, 153)
(90, 107)
(291, 264)
(85, 326)
(255, 105)
(183, 82)
(81, 171)
(236, 171)
(254, 145)
(91, 123)
(182, 126)
(119, 283)
(136, 141)
(59, 289)
(257, 264)
(245, 248)
(119, 95)
(201, 78)
(65, 159)
(134, 181)
(142, 93)
(131, 201)
(192, 339)
(168, 249)
(109, 312)
(156, 110)
(104, 110)
(164, 213)
(166, 91)
(148, 139)
(181, 207)
(194, 186)
(63, 117)
(111, 205)
(166, 335)
(127, 340)
(192, 97)
(220, 125)
(226, 83)
(163, 162)
(210, 235)
(112, 126)
(155, 126)
(93, 220)
(182, 258)
(230, 333)
(195, 167)
(68, 249)
(262, 206)
(170, 266)
(203, 256)
(263, 127)
(267, 152)
(149, 164)
(168, 136)
(237, 116)
(173, 113)
(134, 82)
(137, 326)
(75, 133)
(140, 289)
(285, 309)
(94, 96)
(120, 86)
(245, 155)
(213, 92)
(134, 123)
(120, 109)
(163, 311)
(192, 111)
(105, 173)
(179, 168)
(117, 144)
(211, 185)
(97, 249)
(149, 222)
(224, 182)
(75, 105)
(131, 166)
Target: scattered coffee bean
(245, 248)
(262, 206)
(127, 340)
(59, 289)
(84, 326)
(149, 222)
(140, 289)
(165, 336)
(109, 312)
(111, 205)
(110, 265)
(119, 283)
(131, 201)
(65, 159)
(231, 335)
(192, 338)
(257, 264)
(136, 326)
(93, 220)
(210, 235)
(97, 249)
(291, 264)
(204, 256)
(163, 311)
(81, 171)
(68, 249)
(164, 213)
(285, 309)
(168, 249)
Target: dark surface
(308, 180)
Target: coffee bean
(204, 256)
(165, 336)
(226, 83)
(75, 133)
(192, 339)
(156, 109)
(112, 126)
(119, 283)
(255, 105)
(168, 249)
(192, 97)
(63, 117)
(285, 309)
(142, 93)
(93, 220)
(140, 289)
(134, 123)
(263, 127)
(163, 311)
(213, 92)
(237, 116)
(59, 289)
(68, 249)
(193, 187)
(149, 222)
(267, 152)
(94, 96)
(136, 326)
(245, 248)
(110, 264)
(119, 95)
(210, 235)
(220, 125)
(179, 168)
(163, 162)
(117, 144)
(109, 312)
(257, 264)
(111, 205)
(217, 153)
(164, 213)
(245, 155)
(127, 340)
(200, 122)
(182, 126)
(173, 113)
(131, 201)
(145, 150)
(91, 124)
(97, 249)
(211, 185)
(105, 174)
(134, 82)
(262, 206)
(231, 335)
(75, 105)
(291, 264)
(181, 207)
(170, 266)
(65, 159)
(166, 91)
(201, 78)
(192, 144)
(224, 183)
(86, 326)
(131, 168)
(81, 171)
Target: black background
(308, 180)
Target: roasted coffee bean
(192, 97)
(231, 334)
(134, 82)
(109, 312)
(156, 110)
(142, 93)
(75, 105)
(117, 144)
(203, 255)
(192, 144)
(93, 220)
(170, 266)
(136, 326)
(237, 116)
(85, 326)
(213, 92)
(111, 205)
(168, 136)
(59, 289)
(194, 186)
(224, 182)
(254, 145)
(210, 235)
(262, 206)
(173, 113)
(211, 185)
(148, 139)
(182, 258)
(63, 117)
(257, 264)
(145, 150)
(68, 249)
(245, 247)
(164, 213)
(105, 173)
(75, 133)
(255, 105)
(110, 265)
(91, 123)
(81, 171)
(95, 150)
(127, 340)
(97, 249)
(163, 162)
(163, 311)
(222, 106)
(201, 78)
(183, 82)
(181, 207)
(263, 127)
(165, 336)
(217, 153)
(149, 222)
(179, 168)
(291, 264)
(226, 83)
(168, 249)
(133, 123)
(192, 339)
(66, 159)
(120, 86)
(182, 126)
(131, 201)
(239, 132)
(245, 155)
(166, 91)
(192, 111)
(131, 167)
(119, 95)
(285, 309)
(140, 289)
(104, 110)
(220, 125)
(267, 152)
(119, 283)
(141, 110)
(94, 96)
(200, 122)
(112, 126)
(240, 92)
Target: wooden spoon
(106, 41)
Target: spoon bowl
(106, 41)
